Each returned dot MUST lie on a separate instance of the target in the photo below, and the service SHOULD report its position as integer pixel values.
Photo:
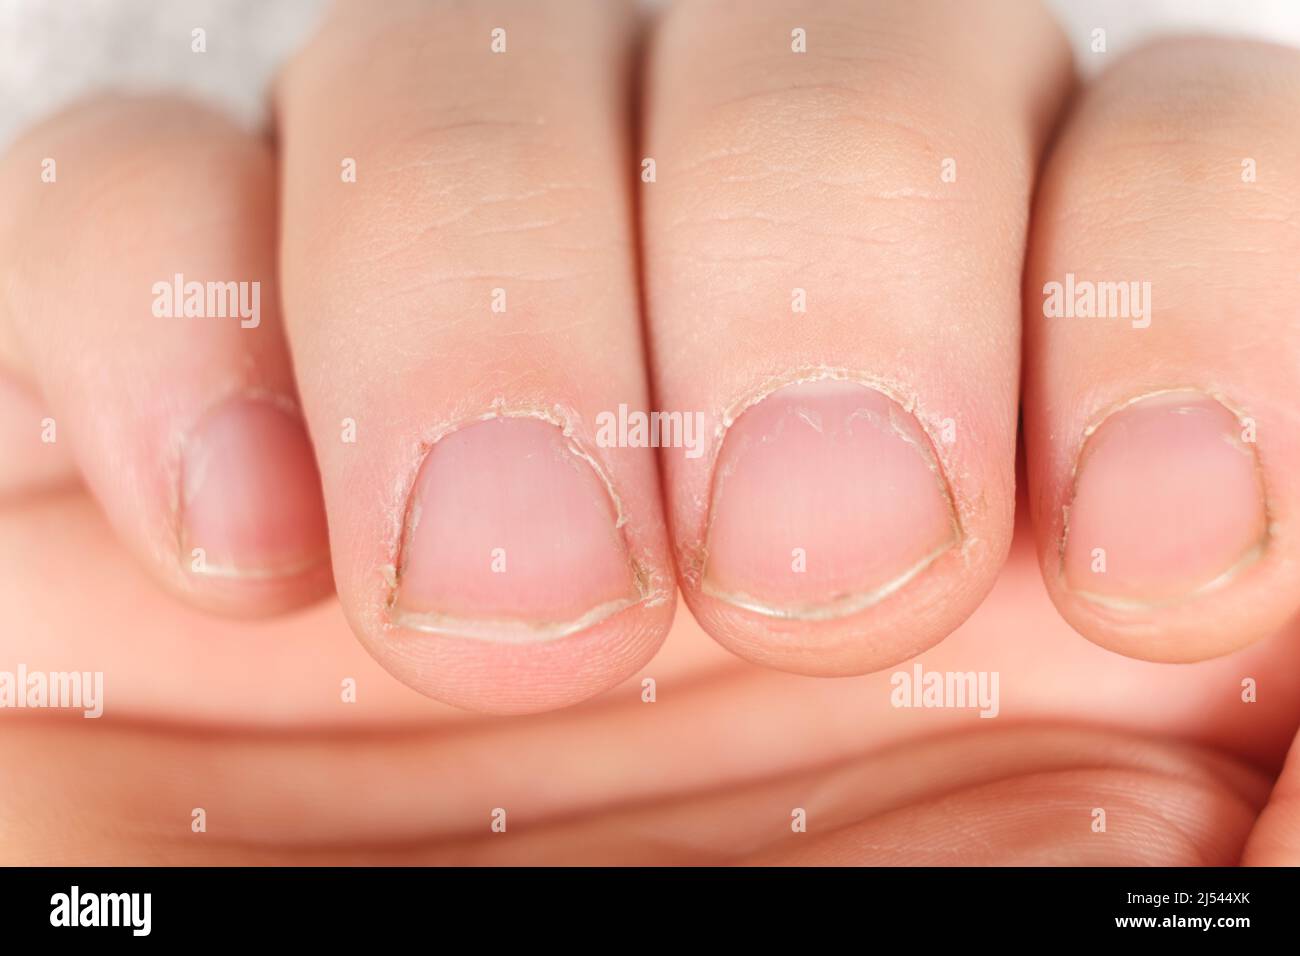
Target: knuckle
(1185, 138)
(834, 171)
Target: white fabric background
(54, 51)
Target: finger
(466, 309)
(833, 243)
(30, 465)
(1017, 796)
(138, 261)
(1275, 838)
(1030, 796)
(1161, 431)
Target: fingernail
(827, 497)
(250, 496)
(511, 535)
(1167, 501)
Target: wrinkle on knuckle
(467, 204)
(787, 173)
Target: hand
(831, 246)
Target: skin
(523, 184)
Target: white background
(53, 51)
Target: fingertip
(528, 574)
(507, 678)
(835, 542)
(143, 305)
